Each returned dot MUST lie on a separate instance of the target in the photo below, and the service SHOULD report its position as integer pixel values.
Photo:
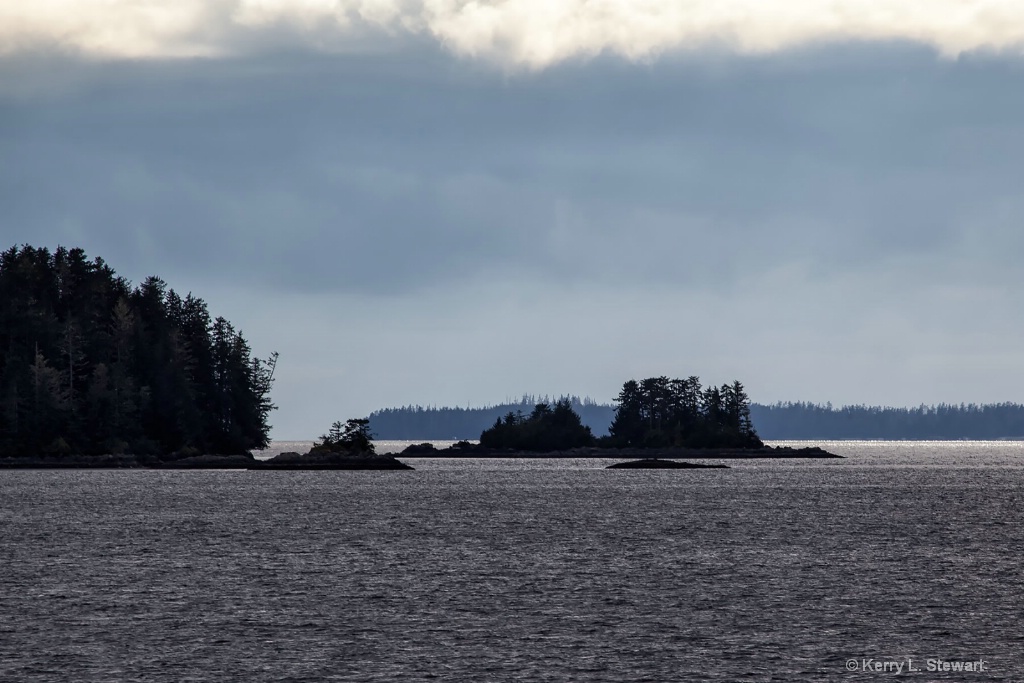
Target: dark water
(520, 571)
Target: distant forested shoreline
(779, 421)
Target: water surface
(532, 570)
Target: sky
(444, 202)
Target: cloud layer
(840, 223)
(530, 33)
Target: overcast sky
(454, 203)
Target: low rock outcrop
(655, 464)
(331, 460)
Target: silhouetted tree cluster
(353, 436)
(442, 423)
(90, 365)
(659, 412)
(547, 428)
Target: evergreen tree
(627, 429)
(545, 429)
(353, 437)
(659, 412)
(91, 365)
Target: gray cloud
(530, 33)
(832, 224)
(402, 177)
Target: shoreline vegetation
(96, 374)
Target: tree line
(659, 412)
(89, 364)
(438, 424)
(780, 421)
(937, 422)
(547, 428)
(656, 412)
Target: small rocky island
(656, 464)
(347, 446)
(657, 418)
(358, 461)
(332, 461)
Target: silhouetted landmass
(781, 421)
(345, 446)
(655, 418)
(354, 436)
(546, 428)
(332, 460)
(466, 449)
(442, 424)
(659, 412)
(284, 461)
(655, 464)
(90, 365)
(656, 412)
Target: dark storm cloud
(390, 172)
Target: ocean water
(522, 570)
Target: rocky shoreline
(373, 461)
(285, 461)
(469, 450)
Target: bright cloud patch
(534, 33)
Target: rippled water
(527, 570)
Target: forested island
(656, 412)
(655, 419)
(345, 446)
